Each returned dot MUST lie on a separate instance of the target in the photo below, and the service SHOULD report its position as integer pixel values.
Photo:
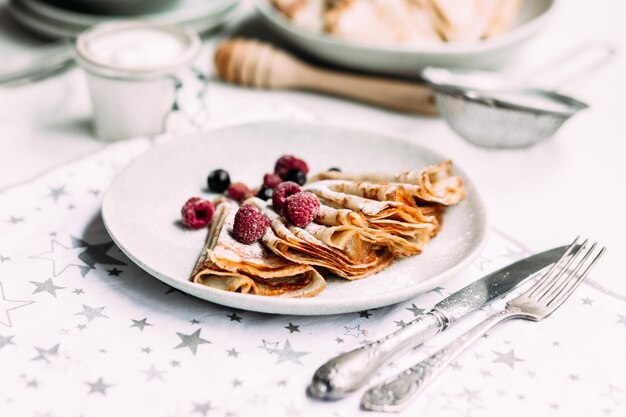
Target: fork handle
(394, 394)
(351, 370)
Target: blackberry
(296, 175)
(265, 193)
(218, 181)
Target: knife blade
(349, 371)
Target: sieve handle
(571, 66)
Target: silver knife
(349, 371)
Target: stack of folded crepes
(364, 222)
(403, 22)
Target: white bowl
(408, 61)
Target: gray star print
(270, 347)
(98, 386)
(91, 312)
(455, 366)
(354, 331)
(62, 257)
(154, 373)
(46, 286)
(140, 324)
(234, 317)
(415, 310)
(202, 408)
(508, 358)
(95, 254)
(57, 192)
(471, 395)
(3, 259)
(233, 352)
(43, 353)
(587, 301)
(191, 341)
(15, 220)
(292, 327)
(288, 354)
(7, 305)
(615, 394)
(481, 261)
(6, 340)
(365, 314)
(437, 290)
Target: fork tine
(544, 278)
(553, 292)
(553, 282)
(561, 296)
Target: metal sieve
(494, 111)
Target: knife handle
(349, 371)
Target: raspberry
(288, 162)
(250, 224)
(197, 213)
(238, 191)
(301, 209)
(271, 181)
(252, 193)
(284, 190)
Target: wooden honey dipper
(258, 64)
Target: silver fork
(535, 304)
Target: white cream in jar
(130, 68)
(136, 48)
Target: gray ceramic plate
(408, 60)
(141, 210)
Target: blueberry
(334, 169)
(296, 175)
(218, 181)
(265, 193)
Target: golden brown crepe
(355, 259)
(233, 266)
(364, 222)
(432, 184)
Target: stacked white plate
(55, 22)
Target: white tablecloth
(543, 195)
(85, 332)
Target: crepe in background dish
(232, 266)
(402, 22)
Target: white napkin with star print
(85, 332)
